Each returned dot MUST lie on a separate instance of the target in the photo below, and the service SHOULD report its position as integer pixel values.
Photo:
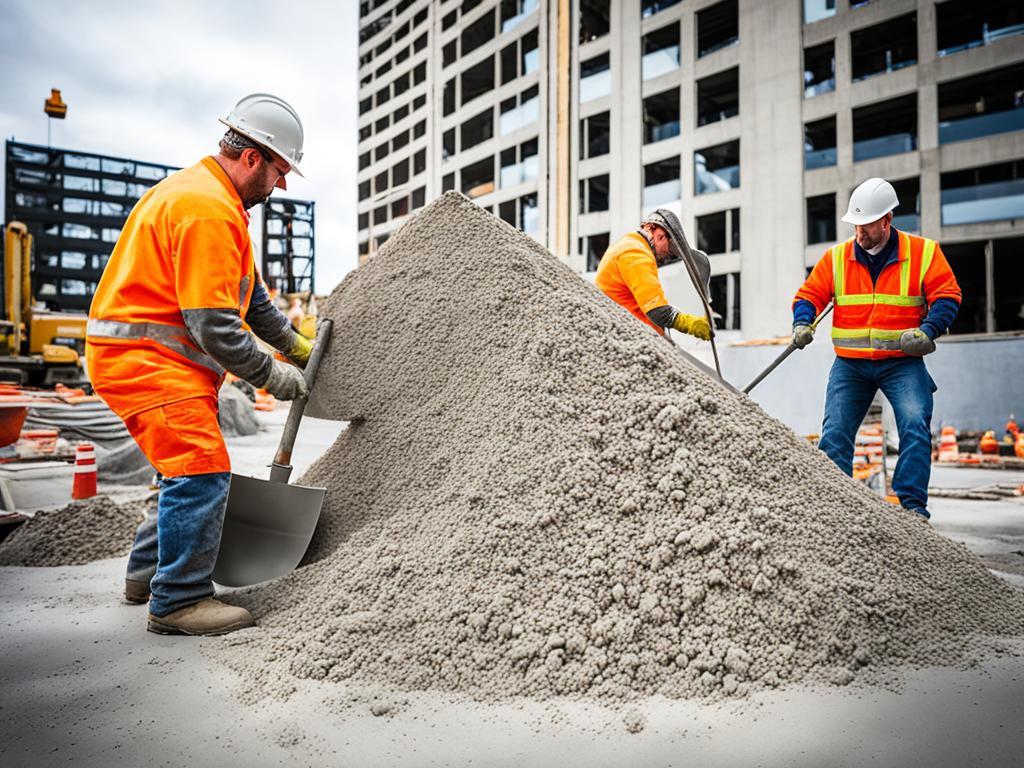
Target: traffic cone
(85, 472)
(948, 450)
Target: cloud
(148, 80)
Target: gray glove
(802, 336)
(285, 382)
(916, 343)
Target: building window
(381, 152)
(365, 132)
(518, 166)
(717, 27)
(519, 111)
(419, 162)
(399, 141)
(982, 105)
(380, 215)
(450, 53)
(595, 78)
(816, 10)
(449, 19)
(594, 194)
(363, 221)
(884, 47)
(821, 219)
(364, 190)
(820, 143)
(420, 129)
(962, 24)
(661, 183)
(725, 301)
(661, 116)
(907, 215)
(400, 113)
(419, 198)
(382, 123)
(651, 7)
(990, 193)
(365, 105)
(478, 178)
(719, 232)
(382, 95)
(595, 135)
(364, 160)
(401, 84)
(399, 207)
(593, 248)
(819, 69)
(991, 275)
(448, 182)
(478, 80)
(477, 129)
(717, 168)
(520, 58)
(595, 19)
(380, 182)
(514, 12)
(478, 33)
(448, 98)
(718, 96)
(400, 173)
(660, 51)
(885, 128)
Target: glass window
(450, 53)
(419, 197)
(363, 221)
(982, 105)
(594, 194)
(595, 19)
(816, 10)
(661, 116)
(448, 182)
(595, 139)
(819, 69)
(595, 78)
(448, 99)
(380, 215)
(884, 47)
(651, 7)
(478, 178)
(514, 12)
(478, 80)
(821, 219)
(963, 24)
(364, 190)
(593, 248)
(717, 168)
(478, 33)
(419, 162)
(717, 27)
(1008, 283)
(967, 260)
(520, 111)
(380, 182)
(660, 51)
(719, 232)
(989, 193)
(478, 129)
(725, 300)
(820, 143)
(885, 128)
(529, 215)
(530, 52)
(907, 215)
(448, 144)
(400, 113)
(661, 183)
(718, 96)
(399, 207)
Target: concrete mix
(538, 496)
(83, 531)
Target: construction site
(512, 491)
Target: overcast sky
(147, 80)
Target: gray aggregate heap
(83, 531)
(538, 496)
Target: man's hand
(693, 325)
(285, 382)
(916, 343)
(301, 348)
(802, 336)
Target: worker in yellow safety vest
(894, 294)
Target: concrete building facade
(752, 119)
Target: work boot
(207, 617)
(136, 592)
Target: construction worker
(894, 294)
(165, 323)
(628, 274)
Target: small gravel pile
(538, 496)
(83, 531)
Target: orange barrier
(948, 450)
(85, 472)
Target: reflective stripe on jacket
(869, 318)
(184, 246)
(628, 275)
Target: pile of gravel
(83, 531)
(539, 496)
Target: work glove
(916, 343)
(285, 382)
(802, 336)
(693, 325)
(299, 353)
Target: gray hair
(232, 143)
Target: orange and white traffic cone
(948, 450)
(85, 472)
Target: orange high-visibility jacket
(185, 246)
(628, 275)
(868, 319)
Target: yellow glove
(693, 325)
(300, 350)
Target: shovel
(269, 523)
(786, 353)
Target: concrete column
(627, 137)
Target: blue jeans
(176, 549)
(908, 387)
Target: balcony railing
(596, 86)
(883, 145)
(661, 194)
(985, 202)
(661, 62)
(819, 158)
(981, 125)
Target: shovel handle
(786, 353)
(283, 458)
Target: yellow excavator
(38, 347)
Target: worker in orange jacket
(628, 275)
(894, 294)
(169, 317)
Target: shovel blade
(267, 529)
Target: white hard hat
(271, 123)
(870, 201)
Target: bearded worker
(168, 319)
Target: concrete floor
(82, 683)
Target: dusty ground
(82, 683)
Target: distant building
(753, 119)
